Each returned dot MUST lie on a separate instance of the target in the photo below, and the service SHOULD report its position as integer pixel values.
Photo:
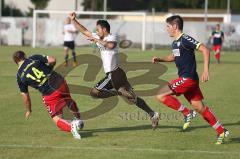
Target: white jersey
(109, 57)
(67, 35)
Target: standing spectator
(69, 43)
(218, 38)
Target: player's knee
(94, 93)
(199, 110)
(160, 98)
(55, 119)
(198, 107)
(72, 105)
(132, 100)
(130, 95)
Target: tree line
(131, 5)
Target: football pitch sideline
(113, 127)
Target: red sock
(173, 103)
(64, 125)
(217, 56)
(211, 119)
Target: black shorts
(113, 80)
(69, 44)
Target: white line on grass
(116, 148)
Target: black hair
(175, 19)
(104, 24)
(18, 56)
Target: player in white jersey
(69, 41)
(115, 81)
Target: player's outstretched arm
(169, 58)
(27, 103)
(106, 44)
(206, 57)
(81, 28)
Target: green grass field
(123, 132)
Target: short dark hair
(175, 19)
(18, 56)
(104, 24)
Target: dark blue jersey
(183, 50)
(217, 37)
(36, 72)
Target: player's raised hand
(155, 60)
(205, 76)
(72, 15)
(27, 114)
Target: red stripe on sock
(217, 56)
(211, 119)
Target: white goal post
(142, 14)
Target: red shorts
(188, 87)
(217, 48)
(60, 98)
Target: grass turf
(124, 131)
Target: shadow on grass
(90, 132)
(206, 126)
(235, 140)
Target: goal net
(129, 26)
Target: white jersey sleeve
(109, 57)
(111, 38)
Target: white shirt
(109, 57)
(67, 35)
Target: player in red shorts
(218, 38)
(37, 71)
(183, 53)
